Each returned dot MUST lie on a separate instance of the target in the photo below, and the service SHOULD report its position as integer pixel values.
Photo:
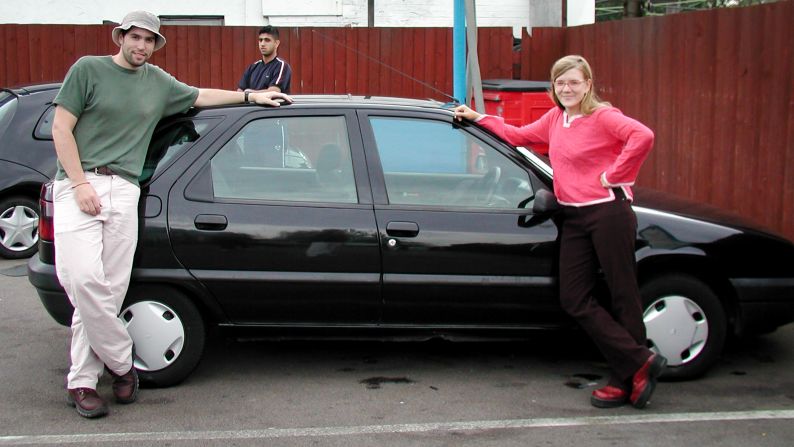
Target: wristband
(78, 184)
(246, 97)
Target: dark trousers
(604, 235)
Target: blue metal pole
(459, 52)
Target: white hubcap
(157, 332)
(19, 228)
(677, 328)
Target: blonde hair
(591, 101)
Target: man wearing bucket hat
(107, 109)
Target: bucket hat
(141, 19)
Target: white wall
(250, 12)
(440, 12)
(396, 13)
(545, 13)
(316, 12)
(581, 12)
(235, 12)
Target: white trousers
(93, 258)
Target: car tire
(685, 322)
(19, 227)
(167, 331)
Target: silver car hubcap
(677, 328)
(19, 228)
(158, 334)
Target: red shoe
(644, 381)
(609, 397)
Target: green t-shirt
(117, 110)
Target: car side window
(43, 129)
(303, 159)
(170, 141)
(427, 162)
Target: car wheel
(685, 322)
(167, 331)
(19, 227)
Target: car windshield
(541, 161)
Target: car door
(453, 209)
(276, 220)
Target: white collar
(567, 120)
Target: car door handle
(402, 229)
(211, 222)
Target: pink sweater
(604, 142)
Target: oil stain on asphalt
(16, 271)
(582, 380)
(374, 383)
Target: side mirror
(545, 203)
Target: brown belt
(102, 170)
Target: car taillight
(46, 230)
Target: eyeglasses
(573, 84)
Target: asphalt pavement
(364, 393)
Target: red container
(519, 102)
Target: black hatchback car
(27, 159)
(361, 214)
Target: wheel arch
(205, 304)
(28, 190)
(700, 268)
(19, 179)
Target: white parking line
(275, 433)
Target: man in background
(270, 73)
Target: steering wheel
(488, 183)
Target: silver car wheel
(677, 328)
(19, 228)
(157, 332)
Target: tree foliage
(618, 9)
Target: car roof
(355, 101)
(34, 88)
(366, 100)
(300, 100)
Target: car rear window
(8, 106)
(44, 127)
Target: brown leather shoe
(609, 397)
(87, 402)
(125, 386)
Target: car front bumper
(765, 303)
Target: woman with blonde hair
(596, 153)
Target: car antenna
(453, 100)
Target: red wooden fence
(373, 61)
(716, 86)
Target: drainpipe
(459, 52)
(473, 78)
